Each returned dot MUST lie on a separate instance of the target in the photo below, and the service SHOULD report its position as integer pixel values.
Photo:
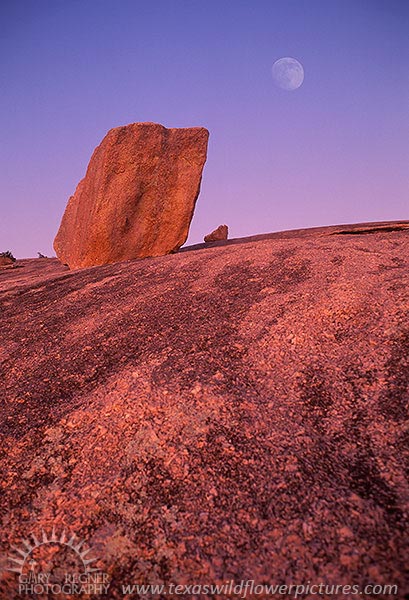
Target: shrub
(8, 254)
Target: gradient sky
(334, 151)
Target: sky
(335, 150)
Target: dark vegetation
(8, 254)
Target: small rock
(221, 233)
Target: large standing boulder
(137, 198)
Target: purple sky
(334, 151)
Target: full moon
(288, 73)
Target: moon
(288, 73)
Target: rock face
(137, 198)
(229, 413)
(221, 233)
